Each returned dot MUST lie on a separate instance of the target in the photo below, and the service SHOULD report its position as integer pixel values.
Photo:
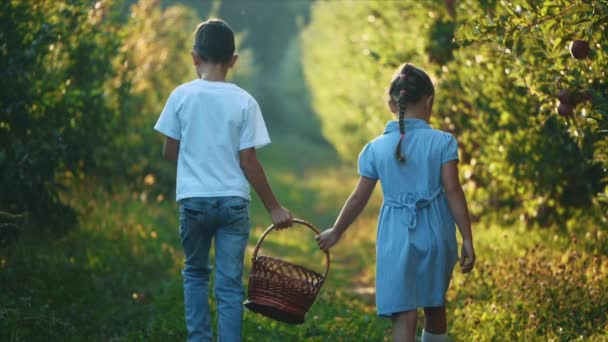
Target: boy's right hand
(281, 217)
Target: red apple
(579, 49)
(564, 109)
(566, 97)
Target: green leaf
(557, 43)
(577, 9)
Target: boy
(212, 130)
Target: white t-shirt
(213, 121)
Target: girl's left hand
(327, 239)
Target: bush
(84, 85)
(55, 65)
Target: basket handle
(295, 220)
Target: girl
(416, 242)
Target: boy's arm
(460, 211)
(253, 170)
(352, 208)
(170, 149)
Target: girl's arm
(352, 208)
(460, 211)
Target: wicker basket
(281, 290)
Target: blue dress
(416, 246)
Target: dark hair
(214, 41)
(409, 85)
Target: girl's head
(214, 42)
(411, 88)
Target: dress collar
(410, 123)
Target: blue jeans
(226, 220)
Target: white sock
(429, 337)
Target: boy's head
(214, 42)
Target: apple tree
(499, 69)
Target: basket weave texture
(281, 290)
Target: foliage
(349, 80)
(84, 87)
(9, 228)
(496, 91)
(83, 94)
(154, 59)
(56, 58)
(554, 163)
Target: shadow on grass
(103, 281)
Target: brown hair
(409, 85)
(214, 41)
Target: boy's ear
(196, 59)
(429, 102)
(233, 60)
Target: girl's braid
(401, 106)
(410, 85)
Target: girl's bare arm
(353, 206)
(460, 211)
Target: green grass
(117, 276)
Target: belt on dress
(397, 202)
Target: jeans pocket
(188, 213)
(237, 215)
(188, 219)
(239, 208)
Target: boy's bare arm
(170, 149)
(253, 170)
(458, 205)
